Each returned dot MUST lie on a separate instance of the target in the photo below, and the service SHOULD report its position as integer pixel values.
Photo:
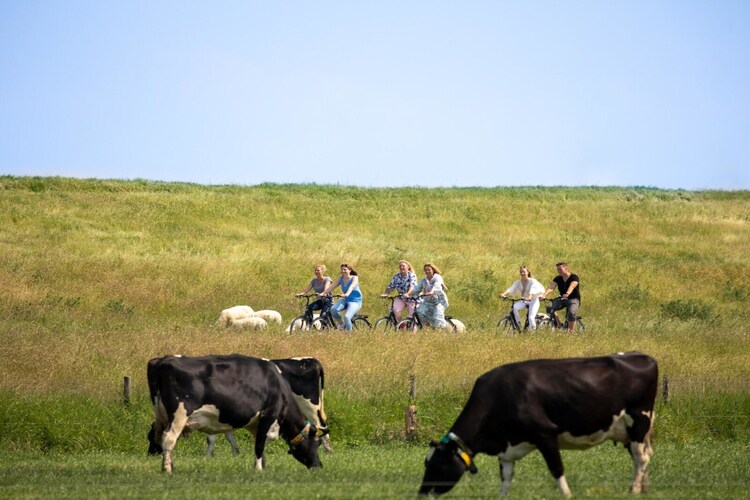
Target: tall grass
(96, 277)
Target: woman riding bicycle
(432, 289)
(403, 282)
(351, 300)
(319, 284)
(530, 291)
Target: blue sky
(402, 93)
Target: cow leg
(264, 425)
(641, 454)
(211, 442)
(506, 473)
(232, 438)
(169, 439)
(551, 453)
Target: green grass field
(97, 277)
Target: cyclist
(530, 290)
(351, 300)
(570, 294)
(432, 288)
(403, 282)
(319, 284)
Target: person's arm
(571, 287)
(415, 290)
(303, 292)
(550, 289)
(511, 289)
(352, 286)
(330, 287)
(389, 288)
(536, 290)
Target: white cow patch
(206, 419)
(616, 432)
(516, 452)
(303, 357)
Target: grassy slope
(99, 276)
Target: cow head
(154, 446)
(304, 447)
(444, 464)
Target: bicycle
(508, 324)
(414, 322)
(306, 320)
(388, 322)
(326, 322)
(551, 321)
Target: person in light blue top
(351, 301)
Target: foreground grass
(701, 470)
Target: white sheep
(460, 327)
(269, 315)
(229, 316)
(253, 323)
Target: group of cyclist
(532, 293)
(428, 295)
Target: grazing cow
(548, 404)
(217, 394)
(307, 381)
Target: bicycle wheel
(298, 323)
(506, 325)
(383, 324)
(580, 327)
(360, 323)
(544, 324)
(407, 325)
(320, 323)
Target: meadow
(97, 277)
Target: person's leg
(572, 314)
(352, 308)
(533, 309)
(336, 308)
(398, 309)
(517, 312)
(439, 316)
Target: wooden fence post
(126, 391)
(665, 392)
(410, 414)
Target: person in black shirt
(570, 294)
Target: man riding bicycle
(570, 294)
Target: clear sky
(379, 93)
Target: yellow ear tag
(466, 458)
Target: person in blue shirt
(351, 302)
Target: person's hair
(561, 264)
(322, 267)
(351, 269)
(408, 266)
(434, 269)
(527, 270)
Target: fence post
(126, 391)
(410, 414)
(665, 392)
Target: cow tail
(322, 411)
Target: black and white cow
(217, 394)
(306, 377)
(546, 405)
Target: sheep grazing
(229, 316)
(269, 315)
(252, 323)
(460, 327)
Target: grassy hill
(96, 277)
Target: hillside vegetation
(97, 277)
